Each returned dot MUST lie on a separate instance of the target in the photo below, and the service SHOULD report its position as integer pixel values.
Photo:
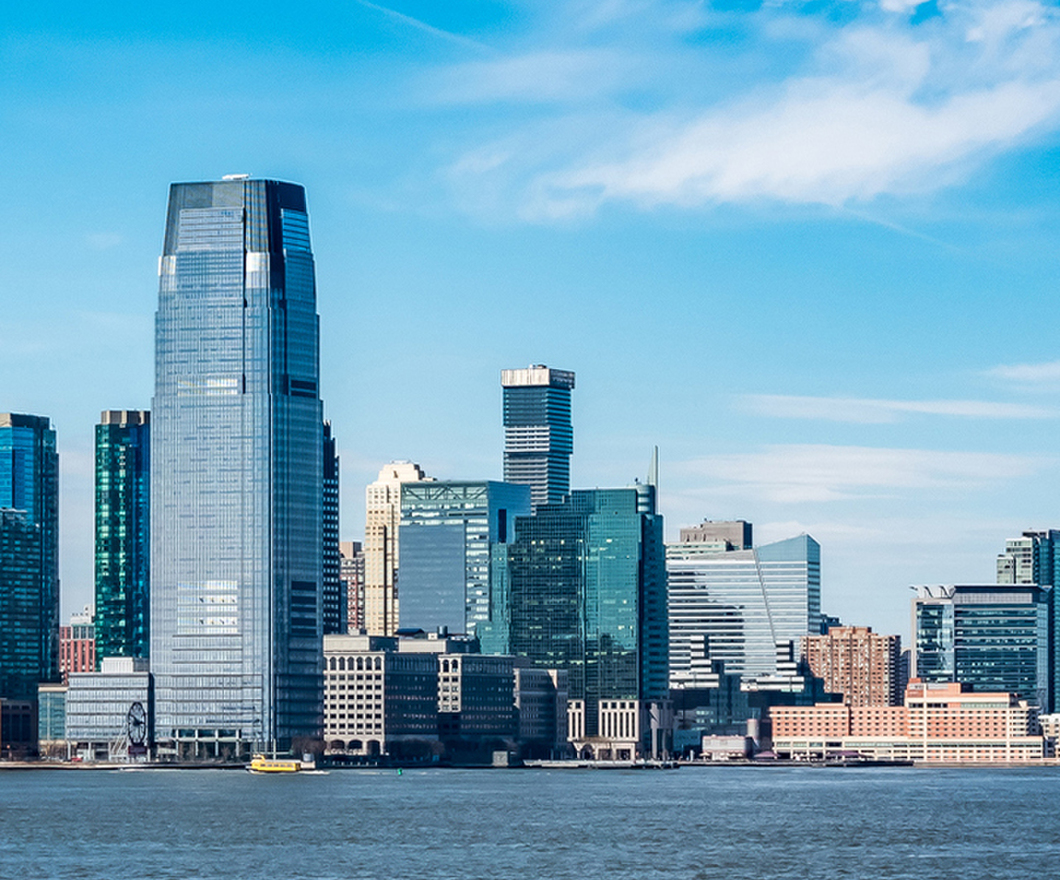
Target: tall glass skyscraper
(582, 587)
(29, 482)
(236, 471)
(740, 603)
(123, 535)
(538, 434)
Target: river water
(745, 822)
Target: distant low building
(109, 714)
(422, 695)
(51, 720)
(541, 706)
(942, 723)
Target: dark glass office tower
(334, 589)
(582, 588)
(123, 533)
(236, 472)
(989, 637)
(20, 605)
(29, 482)
(538, 434)
(1034, 558)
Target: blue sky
(810, 250)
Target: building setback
(236, 472)
(538, 431)
(857, 663)
(448, 532)
(29, 482)
(123, 536)
(582, 588)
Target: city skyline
(832, 339)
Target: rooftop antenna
(653, 470)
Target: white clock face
(137, 721)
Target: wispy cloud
(549, 76)
(868, 107)
(821, 473)
(871, 411)
(1042, 374)
(419, 25)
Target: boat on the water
(262, 764)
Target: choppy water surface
(438, 824)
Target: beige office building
(382, 518)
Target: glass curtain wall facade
(1034, 558)
(583, 589)
(993, 638)
(123, 536)
(538, 432)
(29, 482)
(741, 604)
(334, 590)
(20, 605)
(447, 533)
(236, 471)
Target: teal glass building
(990, 637)
(582, 588)
(447, 534)
(123, 534)
(236, 472)
(538, 432)
(29, 483)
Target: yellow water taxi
(261, 764)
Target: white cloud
(871, 411)
(819, 473)
(1047, 373)
(537, 76)
(868, 108)
(104, 240)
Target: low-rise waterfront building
(51, 720)
(424, 694)
(110, 713)
(938, 722)
(541, 706)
